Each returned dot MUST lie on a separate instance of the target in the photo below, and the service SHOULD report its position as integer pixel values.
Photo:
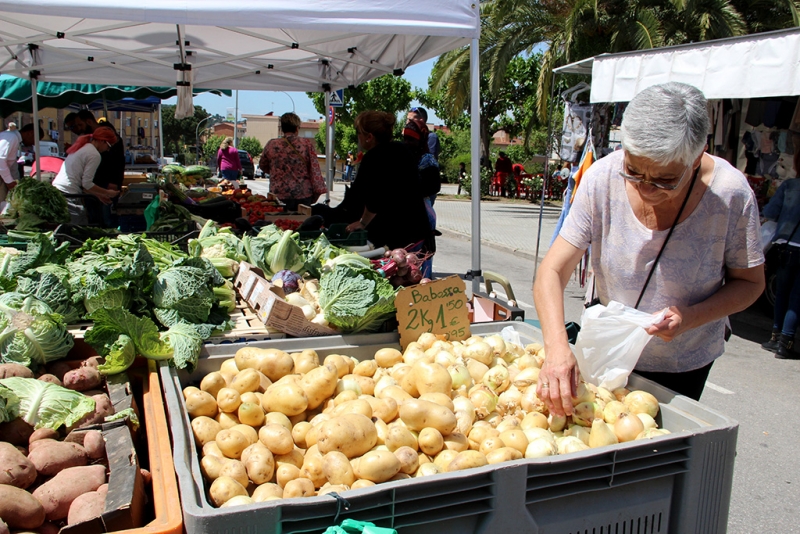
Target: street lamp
(290, 98)
(215, 119)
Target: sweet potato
(59, 369)
(83, 379)
(53, 379)
(40, 443)
(16, 432)
(86, 507)
(93, 361)
(43, 433)
(48, 528)
(15, 469)
(57, 494)
(4, 527)
(20, 509)
(7, 370)
(103, 490)
(53, 457)
(94, 444)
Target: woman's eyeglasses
(669, 185)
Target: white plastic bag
(610, 342)
(768, 230)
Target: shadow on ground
(753, 324)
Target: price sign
(439, 307)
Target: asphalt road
(746, 384)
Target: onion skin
(641, 402)
(628, 427)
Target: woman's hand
(674, 324)
(558, 380)
(352, 227)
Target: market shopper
(78, 172)
(228, 162)
(430, 182)
(420, 116)
(10, 141)
(662, 192)
(387, 187)
(291, 162)
(784, 207)
(503, 173)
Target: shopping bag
(768, 230)
(151, 212)
(610, 342)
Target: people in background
(291, 162)
(78, 172)
(503, 172)
(420, 117)
(386, 188)
(228, 162)
(662, 191)
(348, 168)
(462, 174)
(784, 207)
(10, 141)
(111, 171)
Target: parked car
(248, 169)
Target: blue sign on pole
(337, 98)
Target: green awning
(15, 94)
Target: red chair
(498, 182)
(49, 164)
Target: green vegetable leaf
(109, 324)
(9, 405)
(186, 343)
(50, 284)
(285, 254)
(30, 333)
(36, 202)
(120, 356)
(356, 300)
(46, 405)
(128, 413)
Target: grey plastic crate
(678, 483)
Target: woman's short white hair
(666, 123)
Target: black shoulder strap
(664, 245)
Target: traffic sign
(337, 98)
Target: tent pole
(546, 172)
(475, 141)
(35, 103)
(329, 142)
(236, 122)
(160, 136)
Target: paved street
(746, 383)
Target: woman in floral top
(291, 162)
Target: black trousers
(690, 383)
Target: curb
(446, 232)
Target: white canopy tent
(751, 66)
(265, 45)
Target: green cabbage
(9, 405)
(30, 333)
(46, 405)
(356, 300)
(50, 284)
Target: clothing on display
(577, 118)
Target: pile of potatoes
(274, 425)
(51, 478)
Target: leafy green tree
(181, 132)
(252, 146)
(211, 147)
(386, 93)
(345, 139)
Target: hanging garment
(577, 117)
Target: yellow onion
(579, 432)
(557, 422)
(508, 423)
(612, 411)
(383, 383)
(534, 420)
(568, 444)
(348, 384)
(472, 339)
(539, 433)
(481, 352)
(476, 370)
(653, 433)
(531, 402)
(620, 393)
(513, 371)
(484, 400)
(533, 348)
(509, 400)
(441, 344)
(463, 403)
(647, 421)
(496, 379)
(584, 413)
(526, 361)
(497, 343)
(583, 394)
(540, 448)
(460, 375)
(459, 349)
(443, 357)
(413, 354)
(641, 402)
(464, 420)
(628, 427)
(426, 340)
(527, 377)
(604, 394)
(601, 435)
(494, 418)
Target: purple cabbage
(288, 280)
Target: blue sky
(262, 102)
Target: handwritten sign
(439, 307)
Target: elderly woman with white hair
(671, 228)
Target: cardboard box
(267, 301)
